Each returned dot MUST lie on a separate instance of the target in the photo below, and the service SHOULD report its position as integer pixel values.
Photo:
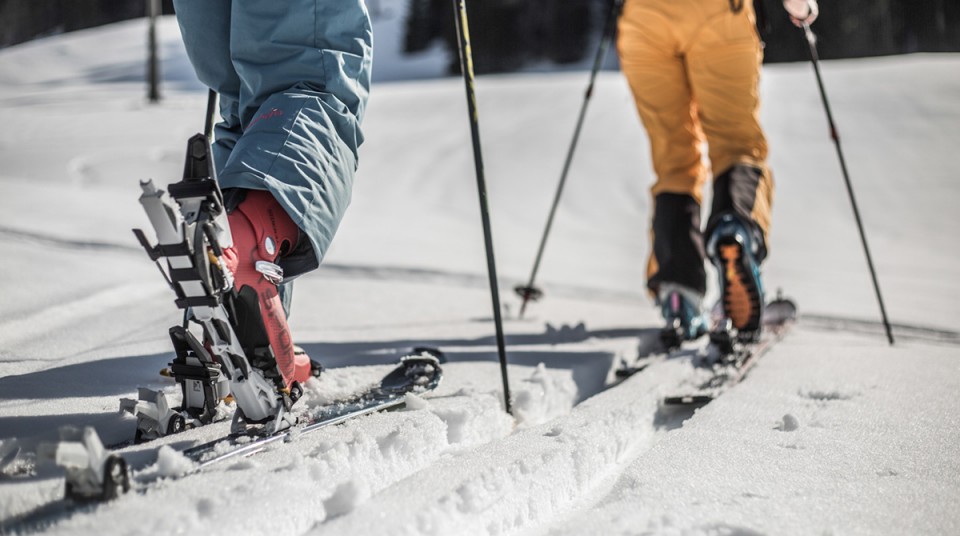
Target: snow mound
(472, 418)
(543, 397)
(172, 463)
(789, 423)
(413, 402)
(345, 498)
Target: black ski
(730, 360)
(649, 352)
(656, 345)
(417, 372)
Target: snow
(171, 463)
(833, 432)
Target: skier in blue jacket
(293, 79)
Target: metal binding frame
(192, 230)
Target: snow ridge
(526, 479)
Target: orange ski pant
(693, 67)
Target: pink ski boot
(262, 233)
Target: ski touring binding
(730, 357)
(155, 417)
(92, 473)
(191, 226)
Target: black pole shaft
(815, 59)
(153, 61)
(211, 117)
(210, 120)
(466, 66)
(605, 41)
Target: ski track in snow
(833, 432)
(525, 479)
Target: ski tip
(782, 301)
(626, 370)
(780, 310)
(429, 350)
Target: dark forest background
(509, 34)
(24, 20)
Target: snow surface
(834, 432)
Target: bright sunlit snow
(833, 432)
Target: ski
(729, 360)
(223, 350)
(626, 370)
(95, 474)
(418, 372)
(650, 352)
(665, 344)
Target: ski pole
(211, 115)
(529, 292)
(815, 59)
(466, 66)
(210, 120)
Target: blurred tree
(497, 35)
(560, 30)
(508, 34)
(422, 24)
(23, 20)
(858, 28)
(505, 34)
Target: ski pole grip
(811, 37)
